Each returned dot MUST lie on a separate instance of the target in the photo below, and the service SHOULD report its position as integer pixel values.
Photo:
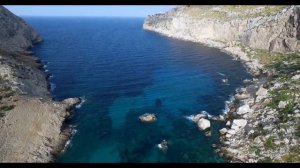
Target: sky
(88, 10)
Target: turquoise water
(123, 71)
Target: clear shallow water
(124, 71)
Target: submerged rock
(203, 124)
(148, 117)
(163, 145)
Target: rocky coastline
(32, 125)
(263, 123)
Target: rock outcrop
(31, 123)
(15, 34)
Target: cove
(123, 71)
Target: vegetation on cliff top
(226, 12)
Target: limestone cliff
(263, 123)
(31, 123)
(273, 28)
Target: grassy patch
(297, 133)
(293, 156)
(270, 143)
(5, 92)
(3, 110)
(283, 94)
(238, 11)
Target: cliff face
(263, 123)
(15, 34)
(273, 28)
(31, 123)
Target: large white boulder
(203, 124)
(239, 122)
(243, 109)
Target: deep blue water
(123, 71)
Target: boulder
(296, 77)
(203, 124)
(243, 109)
(223, 131)
(235, 127)
(261, 94)
(241, 96)
(231, 131)
(239, 122)
(282, 104)
(228, 123)
(148, 117)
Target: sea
(121, 71)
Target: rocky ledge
(31, 123)
(263, 123)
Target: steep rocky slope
(263, 124)
(31, 123)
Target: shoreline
(251, 133)
(32, 123)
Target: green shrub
(269, 143)
(6, 108)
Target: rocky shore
(263, 122)
(31, 123)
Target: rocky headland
(31, 123)
(263, 122)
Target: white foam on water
(83, 100)
(227, 103)
(221, 74)
(73, 132)
(52, 86)
(190, 117)
(206, 113)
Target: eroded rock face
(277, 32)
